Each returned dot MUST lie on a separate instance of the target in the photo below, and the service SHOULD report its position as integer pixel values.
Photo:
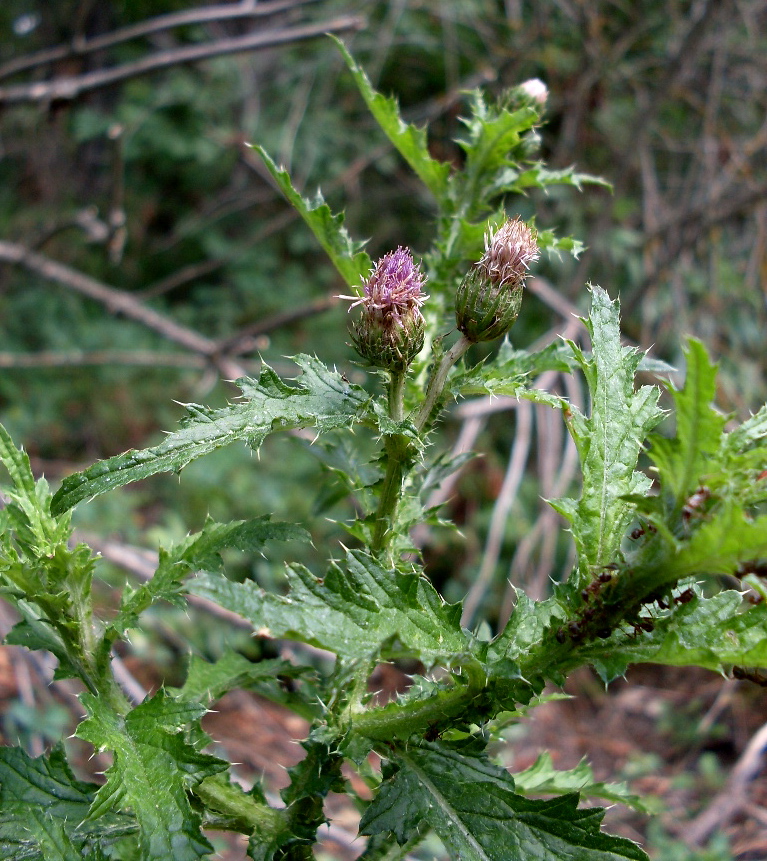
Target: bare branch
(730, 800)
(117, 302)
(67, 88)
(80, 47)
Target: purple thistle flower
(390, 331)
(394, 288)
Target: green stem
(438, 379)
(398, 449)
(246, 813)
(396, 446)
(387, 723)
(397, 395)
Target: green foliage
(628, 599)
(542, 778)
(355, 611)
(472, 805)
(153, 769)
(609, 440)
(352, 263)
(44, 810)
(410, 141)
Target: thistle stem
(397, 395)
(398, 449)
(438, 379)
(396, 446)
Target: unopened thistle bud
(390, 331)
(488, 300)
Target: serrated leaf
(321, 398)
(541, 778)
(526, 627)
(549, 241)
(409, 140)
(357, 607)
(682, 460)
(493, 134)
(473, 807)
(36, 532)
(720, 545)
(749, 433)
(610, 440)
(539, 176)
(352, 263)
(153, 769)
(43, 810)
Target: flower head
(536, 90)
(390, 331)
(488, 300)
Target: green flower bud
(489, 298)
(390, 331)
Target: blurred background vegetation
(146, 258)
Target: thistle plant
(635, 593)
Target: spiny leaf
(409, 140)
(749, 434)
(357, 608)
(321, 398)
(473, 807)
(720, 545)
(44, 809)
(526, 627)
(539, 176)
(610, 440)
(36, 532)
(347, 256)
(16, 461)
(506, 372)
(154, 767)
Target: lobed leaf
(509, 369)
(322, 399)
(541, 778)
(44, 810)
(207, 682)
(200, 551)
(714, 633)
(610, 440)
(36, 532)
(685, 458)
